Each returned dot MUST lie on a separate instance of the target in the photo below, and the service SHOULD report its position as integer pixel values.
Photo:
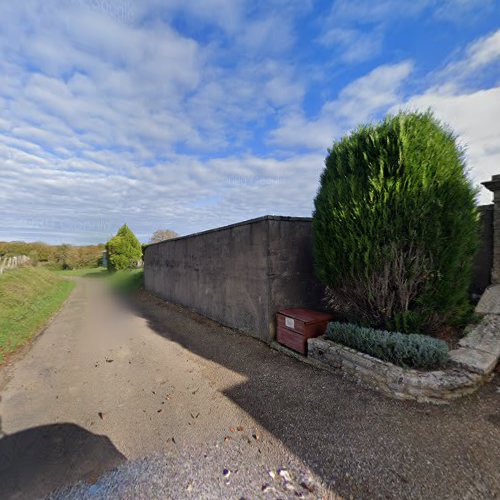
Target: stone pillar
(494, 187)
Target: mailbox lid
(306, 316)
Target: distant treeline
(56, 256)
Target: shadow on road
(359, 441)
(35, 461)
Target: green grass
(120, 281)
(127, 281)
(28, 299)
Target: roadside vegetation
(29, 296)
(55, 256)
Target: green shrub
(124, 250)
(406, 350)
(396, 226)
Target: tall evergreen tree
(396, 225)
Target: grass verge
(120, 281)
(28, 298)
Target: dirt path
(108, 382)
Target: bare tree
(162, 235)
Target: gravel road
(148, 400)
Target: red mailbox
(295, 326)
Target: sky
(193, 114)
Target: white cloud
(471, 113)
(353, 45)
(97, 98)
(110, 114)
(357, 103)
(355, 29)
(478, 56)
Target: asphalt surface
(148, 400)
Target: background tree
(162, 235)
(395, 225)
(63, 256)
(124, 250)
(66, 256)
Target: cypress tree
(396, 225)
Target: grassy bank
(28, 298)
(121, 281)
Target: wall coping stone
(237, 224)
(473, 360)
(485, 336)
(494, 184)
(489, 303)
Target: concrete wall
(291, 278)
(239, 275)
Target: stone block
(490, 301)
(485, 336)
(473, 360)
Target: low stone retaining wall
(470, 366)
(434, 386)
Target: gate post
(494, 187)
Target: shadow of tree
(35, 461)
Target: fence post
(494, 187)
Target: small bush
(406, 350)
(395, 225)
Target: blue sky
(189, 115)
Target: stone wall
(239, 275)
(438, 386)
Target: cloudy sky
(191, 114)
